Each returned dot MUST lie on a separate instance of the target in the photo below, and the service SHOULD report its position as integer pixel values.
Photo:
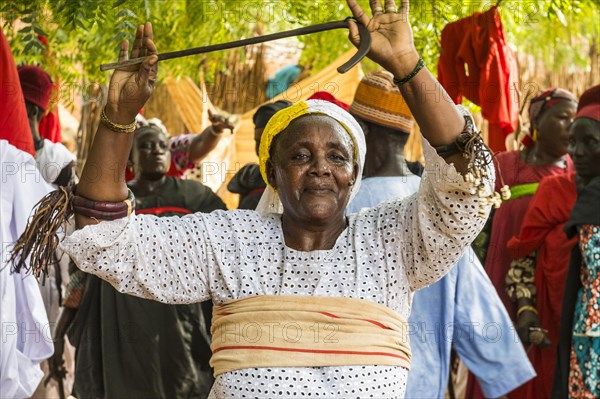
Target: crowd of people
(346, 271)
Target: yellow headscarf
(269, 202)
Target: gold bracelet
(115, 127)
(525, 308)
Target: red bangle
(104, 205)
(100, 215)
(105, 210)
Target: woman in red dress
(550, 115)
(536, 278)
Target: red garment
(175, 171)
(477, 63)
(589, 104)
(509, 217)
(542, 230)
(14, 124)
(49, 127)
(327, 96)
(163, 209)
(506, 224)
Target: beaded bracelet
(526, 308)
(418, 67)
(459, 145)
(115, 127)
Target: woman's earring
(351, 183)
(534, 135)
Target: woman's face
(313, 169)
(151, 156)
(553, 128)
(584, 147)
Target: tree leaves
(86, 33)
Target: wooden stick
(245, 42)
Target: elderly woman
(307, 301)
(550, 114)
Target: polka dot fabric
(383, 255)
(313, 382)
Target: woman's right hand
(528, 322)
(56, 361)
(219, 122)
(130, 87)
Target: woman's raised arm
(103, 176)
(392, 47)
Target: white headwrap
(270, 202)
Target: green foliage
(541, 28)
(558, 32)
(27, 36)
(86, 33)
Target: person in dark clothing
(133, 347)
(248, 182)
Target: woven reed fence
(238, 90)
(240, 86)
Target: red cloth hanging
(477, 63)
(14, 124)
(49, 127)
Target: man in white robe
(25, 332)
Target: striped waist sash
(306, 331)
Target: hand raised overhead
(392, 44)
(131, 87)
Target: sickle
(363, 49)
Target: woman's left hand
(392, 44)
